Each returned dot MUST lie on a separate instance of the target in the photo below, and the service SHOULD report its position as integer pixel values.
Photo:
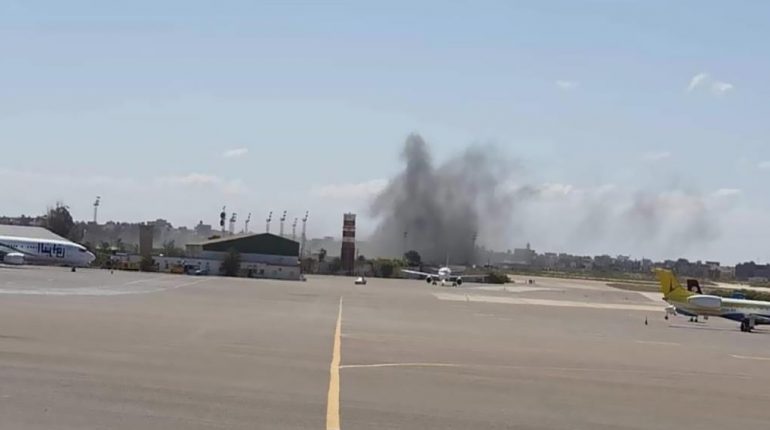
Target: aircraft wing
(418, 273)
(477, 277)
(760, 319)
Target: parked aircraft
(749, 313)
(22, 250)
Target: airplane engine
(428, 279)
(704, 301)
(13, 258)
(459, 281)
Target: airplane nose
(91, 257)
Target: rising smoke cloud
(443, 210)
(481, 197)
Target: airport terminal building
(263, 255)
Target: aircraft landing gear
(746, 326)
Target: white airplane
(443, 276)
(749, 313)
(21, 250)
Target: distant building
(524, 256)
(645, 265)
(36, 221)
(713, 270)
(751, 270)
(549, 260)
(263, 255)
(603, 262)
(203, 230)
(726, 273)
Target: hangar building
(263, 255)
(30, 232)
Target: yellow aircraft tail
(670, 286)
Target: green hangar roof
(264, 243)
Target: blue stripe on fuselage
(734, 317)
(759, 319)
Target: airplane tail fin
(670, 286)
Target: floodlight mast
(96, 207)
(304, 237)
(246, 224)
(283, 218)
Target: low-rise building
(262, 255)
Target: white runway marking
(748, 357)
(367, 366)
(598, 370)
(546, 302)
(139, 281)
(514, 289)
(92, 291)
(653, 297)
(654, 342)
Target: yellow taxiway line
(333, 398)
(378, 365)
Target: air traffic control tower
(348, 251)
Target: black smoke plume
(481, 197)
(442, 211)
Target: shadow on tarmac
(703, 327)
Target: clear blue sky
(598, 99)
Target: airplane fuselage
(441, 277)
(47, 251)
(715, 306)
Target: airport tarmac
(92, 349)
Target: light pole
(96, 207)
(246, 224)
(304, 227)
(283, 218)
(267, 222)
(232, 224)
